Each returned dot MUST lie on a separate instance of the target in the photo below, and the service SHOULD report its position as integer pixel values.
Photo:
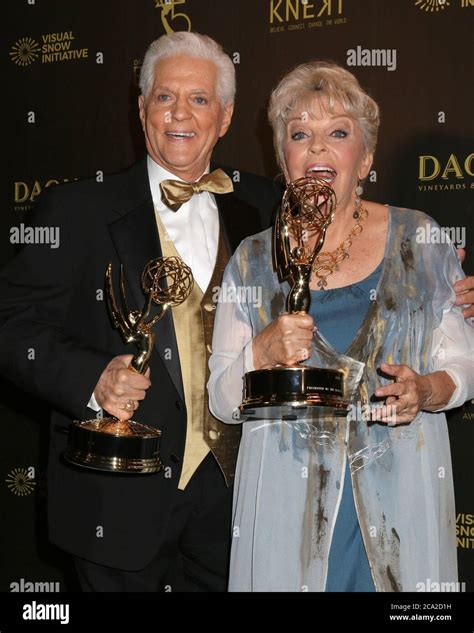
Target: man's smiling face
(182, 116)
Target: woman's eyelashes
(297, 136)
(339, 133)
(301, 134)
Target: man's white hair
(194, 45)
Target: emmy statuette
(126, 446)
(290, 392)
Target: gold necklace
(326, 263)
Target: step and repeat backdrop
(71, 70)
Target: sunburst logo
(20, 482)
(25, 51)
(432, 5)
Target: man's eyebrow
(161, 87)
(201, 91)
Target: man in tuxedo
(169, 530)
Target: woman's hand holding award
(289, 392)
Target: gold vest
(193, 322)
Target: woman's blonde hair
(319, 79)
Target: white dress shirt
(194, 228)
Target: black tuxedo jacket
(56, 339)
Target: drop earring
(358, 191)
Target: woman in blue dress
(363, 502)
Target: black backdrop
(70, 76)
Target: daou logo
(431, 167)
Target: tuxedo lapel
(135, 236)
(239, 218)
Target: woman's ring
(304, 354)
(130, 405)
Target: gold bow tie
(174, 193)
